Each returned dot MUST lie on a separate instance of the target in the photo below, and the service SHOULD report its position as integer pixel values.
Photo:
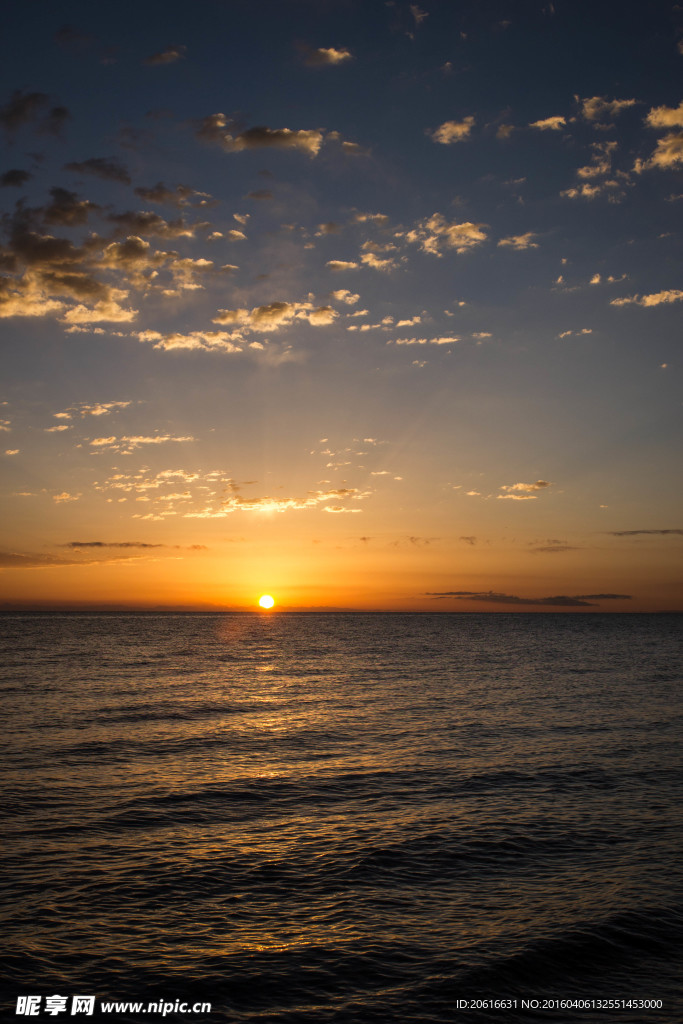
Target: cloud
(600, 109)
(445, 340)
(369, 259)
(98, 409)
(344, 295)
(261, 194)
(206, 341)
(610, 188)
(656, 299)
(143, 545)
(601, 161)
(66, 208)
(161, 194)
(145, 222)
(16, 560)
(638, 533)
(107, 310)
(126, 445)
(452, 131)
(559, 601)
(518, 497)
(217, 128)
(436, 233)
(168, 56)
(276, 315)
(669, 153)
(108, 168)
(14, 178)
(520, 241)
(553, 547)
(380, 219)
(665, 117)
(342, 265)
(326, 57)
(65, 496)
(552, 124)
(30, 108)
(539, 485)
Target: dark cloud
(554, 547)
(168, 56)
(13, 560)
(108, 168)
(159, 193)
(69, 37)
(217, 128)
(67, 208)
(559, 601)
(14, 178)
(651, 533)
(260, 193)
(22, 108)
(54, 120)
(469, 540)
(139, 544)
(144, 222)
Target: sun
(266, 601)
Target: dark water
(344, 818)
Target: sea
(272, 818)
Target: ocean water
(303, 819)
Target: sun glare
(266, 601)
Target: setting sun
(266, 601)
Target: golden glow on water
(266, 601)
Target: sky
(362, 304)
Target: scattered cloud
(217, 128)
(181, 195)
(108, 168)
(32, 108)
(167, 56)
(435, 234)
(326, 56)
(342, 265)
(14, 178)
(655, 299)
(345, 296)
(665, 117)
(600, 109)
(126, 445)
(560, 601)
(520, 241)
(78, 545)
(668, 153)
(276, 315)
(638, 533)
(539, 485)
(452, 131)
(550, 124)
